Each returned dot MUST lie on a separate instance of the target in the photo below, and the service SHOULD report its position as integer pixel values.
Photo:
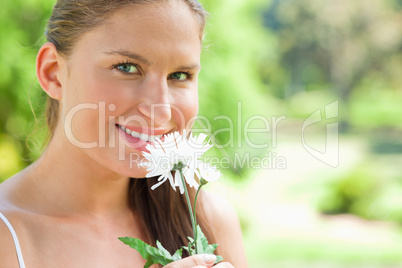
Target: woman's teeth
(141, 136)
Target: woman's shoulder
(222, 220)
(8, 220)
(7, 192)
(217, 209)
(12, 191)
(10, 213)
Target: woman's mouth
(141, 136)
(137, 140)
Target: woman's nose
(156, 104)
(158, 113)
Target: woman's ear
(48, 67)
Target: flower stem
(195, 216)
(195, 201)
(193, 220)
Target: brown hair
(163, 213)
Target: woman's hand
(198, 261)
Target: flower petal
(175, 149)
(210, 173)
(158, 184)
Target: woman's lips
(137, 140)
(147, 131)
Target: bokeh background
(272, 59)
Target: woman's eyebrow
(129, 54)
(189, 67)
(140, 58)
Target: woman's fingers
(201, 260)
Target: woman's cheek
(188, 107)
(81, 124)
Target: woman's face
(130, 80)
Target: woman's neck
(66, 181)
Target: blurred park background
(272, 59)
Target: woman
(117, 75)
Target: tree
(337, 44)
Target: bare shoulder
(8, 254)
(224, 224)
(217, 209)
(10, 214)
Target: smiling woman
(118, 75)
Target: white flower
(210, 173)
(175, 149)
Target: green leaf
(177, 255)
(202, 243)
(148, 263)
(203, 247)
(159, 245)
(151, 254)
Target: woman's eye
(179, 76)
(128, 68)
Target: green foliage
(338, 47)
(153, 255)
(375, 106)
(160, 255)
(353, 193)
(371, 191)
(202, 245)
(231, 87)
(10, 157)
(21, 27)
